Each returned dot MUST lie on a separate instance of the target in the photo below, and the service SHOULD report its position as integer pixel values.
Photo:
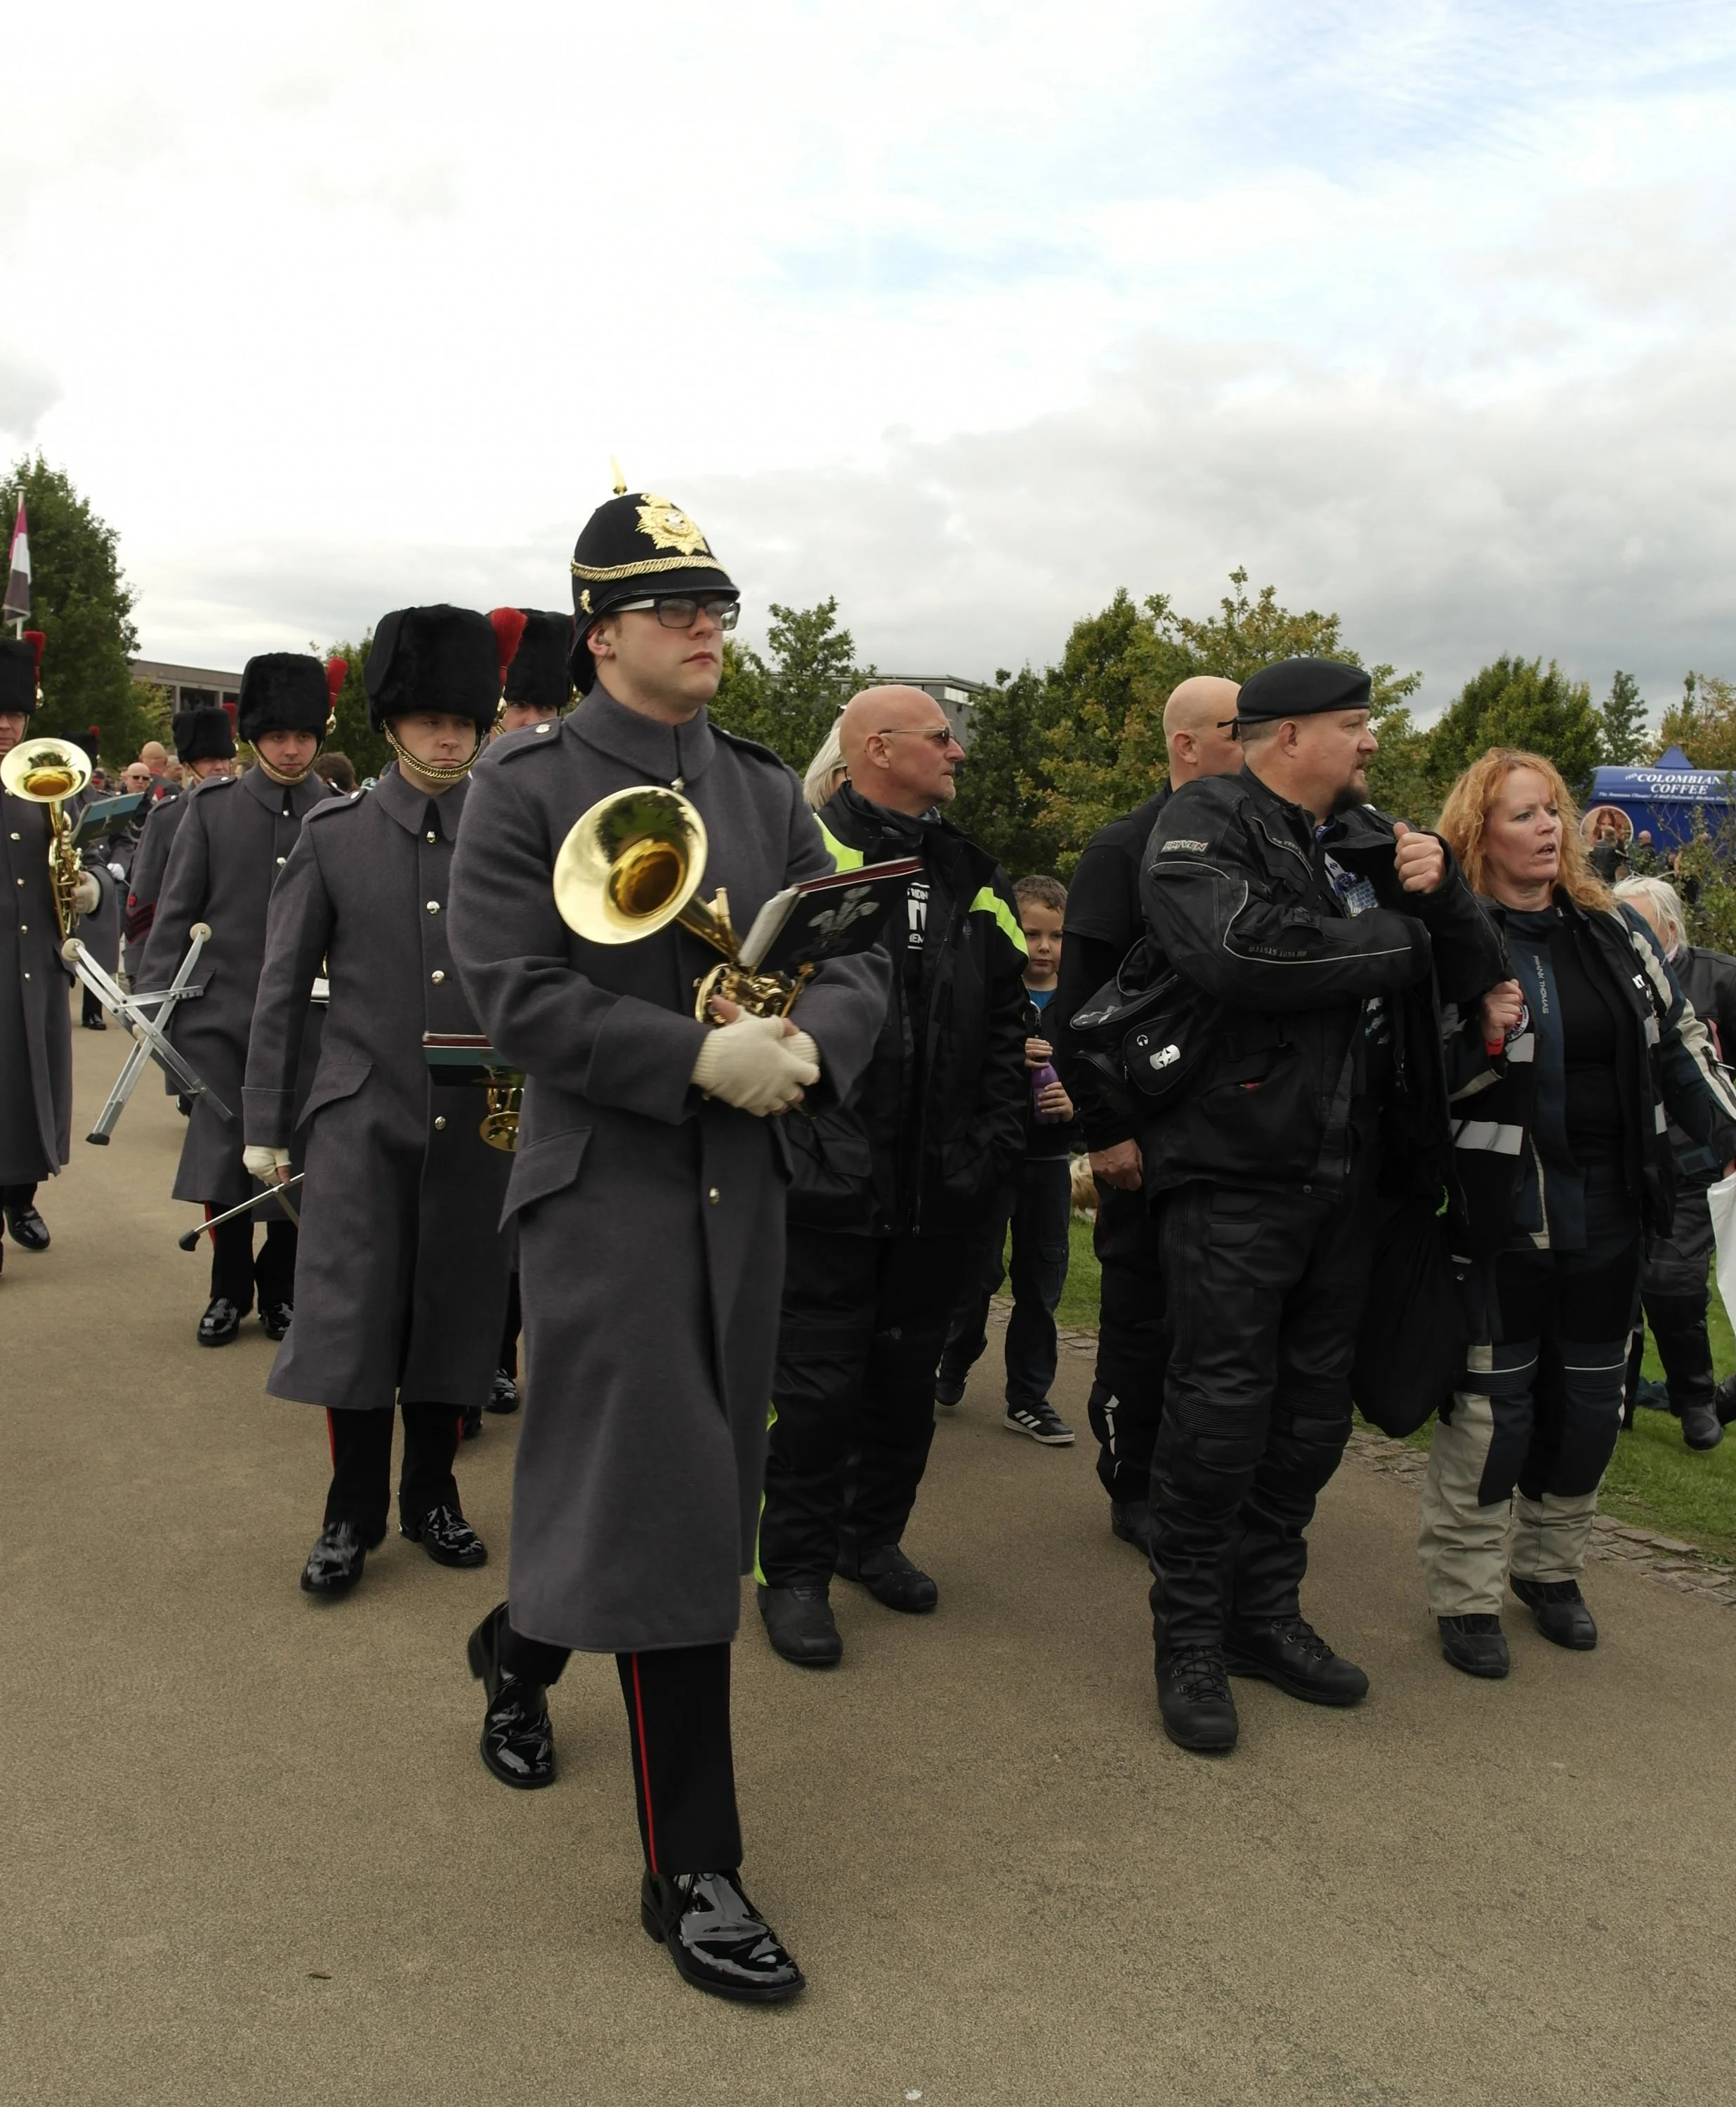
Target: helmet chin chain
(446, 772)
(277, 775)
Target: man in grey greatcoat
(649, 1197)
(35, 1021)
(401, 1277)
(230, 849)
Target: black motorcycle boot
(1289, 1652)
(518, 1742)
(1559, 1611)
(889, 1577)
(1194, 1699)
(800, 1623)
(1131, 1520)
(718, 1940)
(1476, 1644)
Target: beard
(1349, 797)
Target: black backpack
(1146, 1035)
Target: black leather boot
(1131, 1520)
(800, 1625)
(1702, 1428)
(1476, 1644)
(1559, 1611)
(335, 1562)
(221, 1322)
(27, 1228)
(1193, 1695)
(1289, 1652)
(890, 1578)
(718, 1940)
(448, 1538)
(518, 1742)
(503, 1393)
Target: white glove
(86, 895)
(265, 1163)
(756, 1065)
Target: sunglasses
(939, 738)
(683, 610)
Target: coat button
(281, 861)
(18, 838)
(433, 907)
(437, 977)
(540, 729)
(440, 1124)
(714, 1196)
(432, 835)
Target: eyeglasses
(1233, 726)
(939, 738)
(683, 611)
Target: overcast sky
(967, 314)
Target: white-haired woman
(825, 772)
(1672, 1279)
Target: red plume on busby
(35, 639)
(337, 672)
(508, 627)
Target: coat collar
(408, 806)
(660, 753)
(303, 796)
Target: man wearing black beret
(1320, 939)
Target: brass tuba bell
(47, 771)
(631, 865)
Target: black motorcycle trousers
(864, 1319)
(1126, 1397)
(1265, 1291)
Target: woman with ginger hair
(1563, 1167)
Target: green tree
(83, 607)
(1515, 702)
(1702, 723)
(789, 700)
(365, 747)
(1002, 799)
(1622, 714)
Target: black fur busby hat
(284, 691)
(1301, 687)
(634, 545)
(21, 668)
(448, 659)
(538, 675)
(204, 734)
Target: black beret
(635, 546)
(20, 659)
(1301, 687)
(204, 733)
(538, 675)
(441, 658)
(283, 691)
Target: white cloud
(968, 321)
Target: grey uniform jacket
(229, 851)
(150, 858)
(650, 1219)
(35, 1023)
(400, 1273)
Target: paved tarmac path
(249, 1854)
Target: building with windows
(955, 696)
(189, 687)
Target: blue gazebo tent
(1663, 798)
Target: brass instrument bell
(47, 771)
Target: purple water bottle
(1041, 1079)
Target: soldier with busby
(402, 1281)
(204, 745)
(230, 849)
(35, 1022)
(649, 1199)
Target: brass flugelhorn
(631, 865)
(48, 772)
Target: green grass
(1654, 1481)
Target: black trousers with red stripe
(362, 1466)
(684, 1764)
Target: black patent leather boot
(335, 1562)
(518, 1742)
(718, 1940)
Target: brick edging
(1684, 1567)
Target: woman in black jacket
(1563, 1170)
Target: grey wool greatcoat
(401, 1271)
(150, 858)
(35, 1022)
(650, 1219)
(230, 849)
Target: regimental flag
(17, 599)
